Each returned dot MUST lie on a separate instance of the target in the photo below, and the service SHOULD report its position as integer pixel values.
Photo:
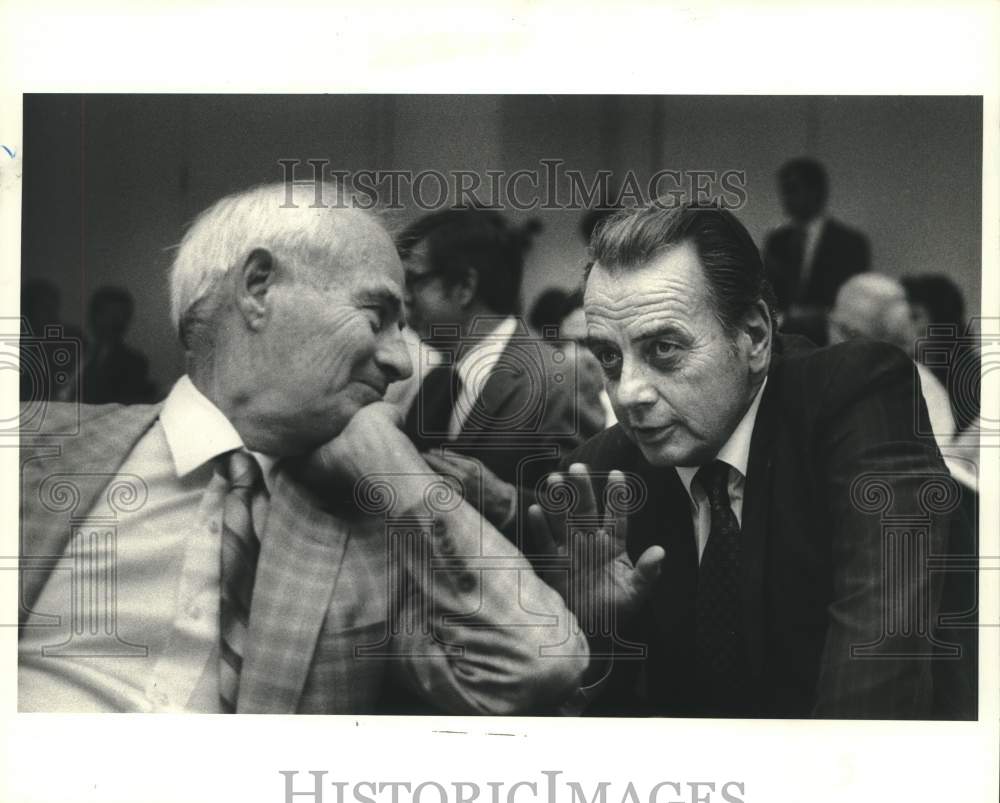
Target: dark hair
(460, 239)
(812, 173)
(733, 268)
(114, 297)
(547, 309)
(573, 302)
(939, 294)
(592, 219)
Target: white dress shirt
(814, 232)
(735, 453)
(166, 558)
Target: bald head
(872, 305)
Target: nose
(634, 388)
(393, 357)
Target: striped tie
(240, 548)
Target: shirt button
(214, 527)
(194, 611)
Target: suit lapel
(62, 478)
(301, 554)
(491, 404)
(754, 528)
(664, 520)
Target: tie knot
(240, 469)
(714, 478)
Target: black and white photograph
(604, 415)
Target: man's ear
(465, 289)
(758, 328)
(253, 283)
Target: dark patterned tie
(240, 549)
(429, 417)
(718, 640)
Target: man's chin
(668, 452)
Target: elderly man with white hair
(267, 539)
(874, 306)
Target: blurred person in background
(113, 371)
(811, 256)
(938, 311)
(500, 407)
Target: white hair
(883, 299)
(283, 217)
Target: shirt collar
(477, 363)
(735, 452)
(198, 432)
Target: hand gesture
(603, 587)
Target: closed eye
(376, 317)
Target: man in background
(810, 257)
(113, 371)
(498, 394)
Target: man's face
(333, 341)
(800, 200)
(678, 384)
(430, 301)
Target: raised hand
(603, 587)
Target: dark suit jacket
(840, 253)
(833, 458)
(120, 376)
(320, 640)
(525, 420)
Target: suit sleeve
(883, 482)
(500, 640)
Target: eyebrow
(381, 296)
(669, 330)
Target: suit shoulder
(836, 374)
(64, 418)
(845, 232)
(776, 237)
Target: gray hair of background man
(283, 218)
(874, 305)
(731, 261)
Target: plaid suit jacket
(321, 637)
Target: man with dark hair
(499, 395)
(809, 258)
(751, 573)
(113, 371)
(938, 312)
(547, 311)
